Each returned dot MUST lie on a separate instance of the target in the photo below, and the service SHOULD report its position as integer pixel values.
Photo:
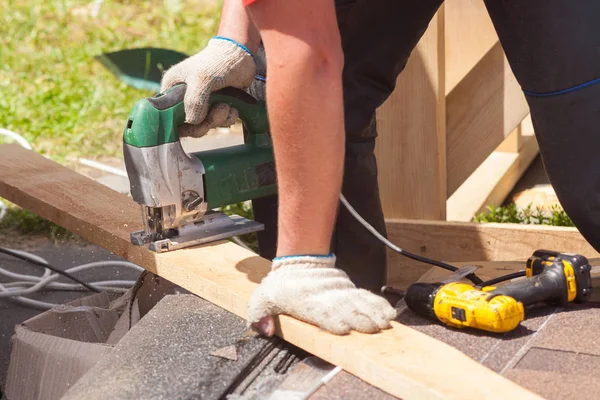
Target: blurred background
(54, 92)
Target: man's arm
(236, 24)
(305, 104)
(304, 100)
(304, 97)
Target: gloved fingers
(221, 115)
(196, 131)
(384, 309)
(379, 313)
(337, 328)
(328, 319)
(260, 306)
(172, 77)
(196, 97)
(359, 314)
(339, 313)
(360, 321)
(342, 310)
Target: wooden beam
(411, 147)
(491, 269)
(492, 182)
(513, 142)
(400, 361)
(469, 35)
(487, 270)
(484, 108)
(465, 242)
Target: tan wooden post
(411, 148)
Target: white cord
(29, 284)
(323, 381)
(23, 142)
(38, 284)
(16, 137)
(102, 167)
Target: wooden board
(491, 269)
(492, 182)
(463, 242)
(513, 142)
(400, 361)
(411, 147)
(483, 109)
(470, 34)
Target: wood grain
(469, 35)
(513, 142)
(400, 361)
(492, 182)
(489, 270)
(482, 110)
(411, 147)
(464, 242)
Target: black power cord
(472, 277)
(502, 278)
(46, 265)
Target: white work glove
(222, 63)
(311, 289)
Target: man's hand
(311, 289)
(222, 63)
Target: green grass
(58, 97)
(556, 216)
(55, 94)
(17, 221)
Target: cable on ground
(472, 277)
(30, 284)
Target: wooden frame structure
(450, 138)
(461, 242)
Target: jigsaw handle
(154, 120)
(252, 112)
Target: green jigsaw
(178, 192)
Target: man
(330, 65)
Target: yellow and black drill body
(552, 277)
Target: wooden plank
(493, 269)
(469, 35)
(492, 182)
(411, 124)
(484, 108)
(400, 361)
(489, 270)
(463, 242)
(513, 142)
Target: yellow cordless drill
(552, 277)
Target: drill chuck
(420, 298)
